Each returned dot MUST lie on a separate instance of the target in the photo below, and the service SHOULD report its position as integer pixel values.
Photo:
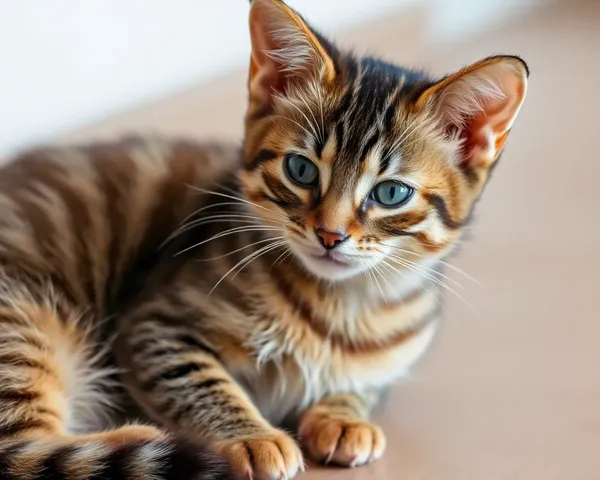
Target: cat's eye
(301, 170)
(391, 193)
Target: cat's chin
(328, 268)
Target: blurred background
(67, 63)
(512, 387)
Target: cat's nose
(330, 240)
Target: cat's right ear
(284, 49)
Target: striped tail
(115, 455)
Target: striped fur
(187, 280)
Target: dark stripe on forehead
(261, 157)
(390, 113)
(386, 158)
(320, 144)
(368, 146)
(439, 204)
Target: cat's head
(361, 162)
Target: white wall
(66, 63)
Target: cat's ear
(479, 105)
(283, 48)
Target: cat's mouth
(329, 258)
(327, 264)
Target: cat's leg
(46, 370)
(337, 430)
(180, 379)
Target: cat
(228, 291)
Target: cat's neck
(370, 289)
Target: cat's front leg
(337, 430)
(181, 381)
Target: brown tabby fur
(179, 271)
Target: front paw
(341, 440)
(272, 455)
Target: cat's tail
(128, 453)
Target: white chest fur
(292, 375)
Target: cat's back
(88, 215)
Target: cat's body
(233, 290)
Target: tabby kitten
(287, 284)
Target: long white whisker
(233, 218)
(242, 200)
(433, 279)
(322, 116)
(240, 249)
(231, 231)
(246, 260)
(421, 289)
(379, 285)
(310, 134)
(274, 246)
(378, 271)
(281, 258)
(206, 207)
(449, 265)
(431, 271)
(416, 123)
(289, 102)
(316, 123)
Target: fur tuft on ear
(479, 105)
(283, 48)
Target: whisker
(449, 265)
(378, 271)
(228, 217)
(231, 231)
(436, 281)
(420, 288)
(278, 244)
(228, 189)
(281, 258)
(310, 134)
(316, 123)
(322, 116)
(206, 207)
(240, 249)
(431, 271)
(412, 127)
(378, 284)
(247, 260)
(289, 102)
(210, 220)
(242, 200)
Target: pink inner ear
(480, 108)
(264, 71)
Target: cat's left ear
(479, 105)
(284, 49)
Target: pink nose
(330, 239)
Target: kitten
(234, 292)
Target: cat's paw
(342, 441)
(273, 455)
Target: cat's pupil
(302, 170)
(392, 191)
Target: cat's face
(363, 165)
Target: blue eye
(301, 170)
(391, 194)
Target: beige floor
(512, 393)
